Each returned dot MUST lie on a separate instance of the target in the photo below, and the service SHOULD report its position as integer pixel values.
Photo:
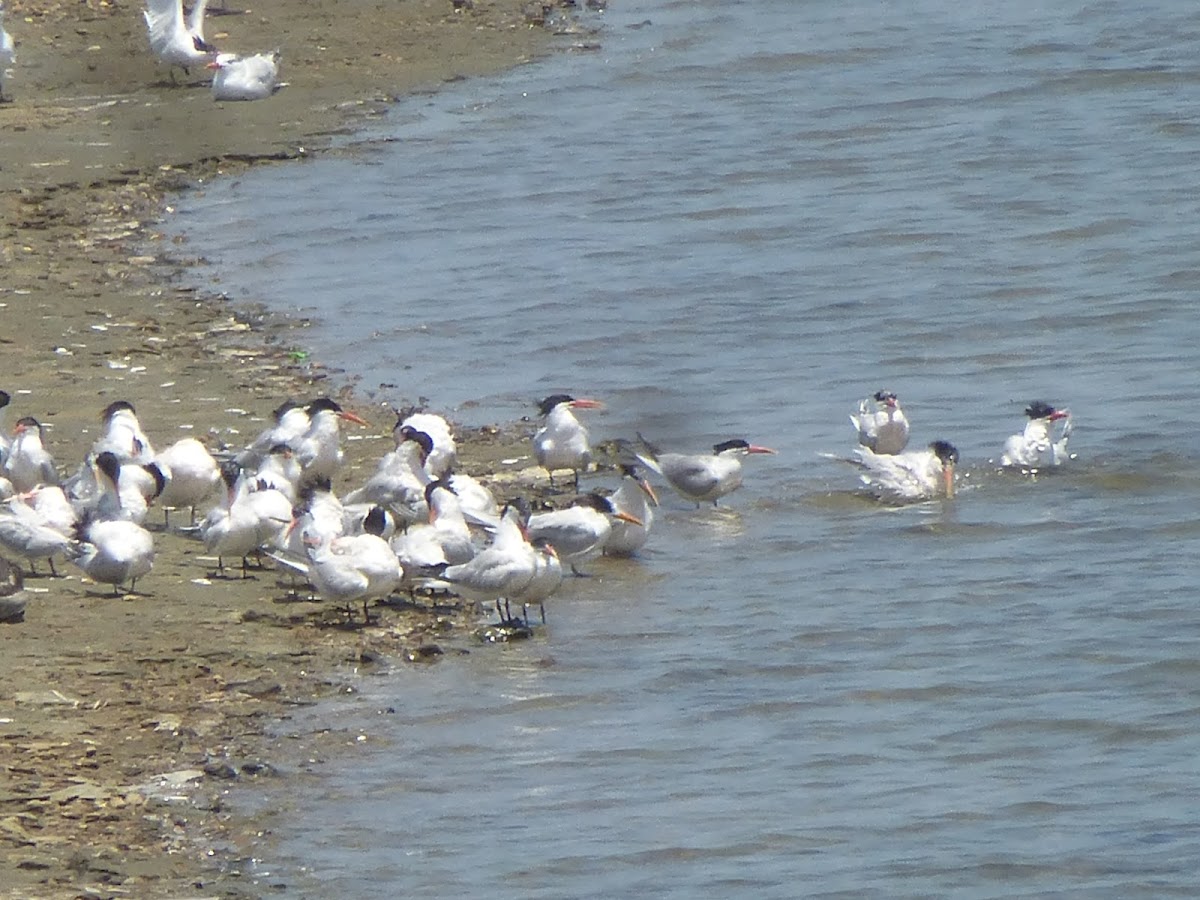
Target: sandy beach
(125, 719)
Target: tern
(500, 571)
(27, 532)
(112, 547)
(636, 497)
(579, 532)
(177, 42)
(445, 540)
(908, 477)
(5, 443)
(319, 448)
(360, 567)
(562, 442)
(247, 520)
(701, 477)
(400, 478)
(245, 77)
(8, 55)
(123, 491)
(29, 463)
(881, 424)
(289, 422)
(1037, 446)
(191, 474)
(12, 597)
(443, 455)
(123, 435)
(114, 551)
(547, 578)
(278, 470)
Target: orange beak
(948, 479)
(352, 417)
(626, 517)
(754, 448)
(586, 403)
(648, 491)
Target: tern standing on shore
(562, 443)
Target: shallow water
(736, 220)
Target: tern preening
(123, 434)
(400, 478)
(1042, 443)
(701, 477)
(562, 443)
(637, 498)
(245, 77)
(174, 40)
(443, 453)
(248, 519)
(191, 474)
(881, 424)
(908, 477)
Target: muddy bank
(124, 719)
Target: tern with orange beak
(701, 477)
(319, 449)
(909, 477)
(1042, 443)
(562, 443)
(245, 77)
(578, 533)
(636, 497)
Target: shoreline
(127, 719)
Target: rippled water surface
(735, 219)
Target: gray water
(736, 220)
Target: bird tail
(647, 453)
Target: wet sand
(125, 719)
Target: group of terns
(896, 475)
(415, 521)
(178, 42)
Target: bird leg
(53, 571)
